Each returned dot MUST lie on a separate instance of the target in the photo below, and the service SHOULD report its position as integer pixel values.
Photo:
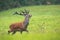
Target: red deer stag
(21, 26)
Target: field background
(44, 23)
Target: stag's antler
(25, 12)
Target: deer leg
(21, 32)
(14, 32)
(26, 30)
(9, 31)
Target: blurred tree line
(7, 4)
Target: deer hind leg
(14, 32)
(9, 32)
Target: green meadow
(44, 23)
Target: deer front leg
(26, 30)
(21, 32)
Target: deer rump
(17, 27)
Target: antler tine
(22, 11)
(15, 13)
(26, 11)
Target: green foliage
(8, 4)
(44, 24)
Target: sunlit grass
(44, 24)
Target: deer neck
(26, 21)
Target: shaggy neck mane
(26, 21)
